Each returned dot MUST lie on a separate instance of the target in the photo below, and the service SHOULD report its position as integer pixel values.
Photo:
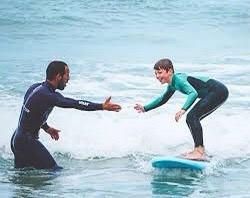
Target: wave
(109, 134)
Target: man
(39, 101)
(212, 94)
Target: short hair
(165, 64)
(54, 68)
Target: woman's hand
(139, 108)
(179, 114)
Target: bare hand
(139, 108)
(54, 133)
(179, 114)
(107, 105)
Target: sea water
(111, 47)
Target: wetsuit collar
(172, 80)
(50, 86)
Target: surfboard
(178, 163)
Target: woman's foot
(197, 154)
(187, 153)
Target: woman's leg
(215, 98)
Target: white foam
(119, 134)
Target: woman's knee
(191, 117)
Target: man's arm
(59, 100)
(64, 102)
(45, 126)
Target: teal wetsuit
(211, 93)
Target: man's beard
(61, 85)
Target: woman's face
(163, 75)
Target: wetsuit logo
(84, 103)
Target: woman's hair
(165, 64)
(54, 68)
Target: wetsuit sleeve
(45, 126)
(162, 99)
(187, 88)
(64, 102)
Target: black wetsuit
(38, 103)
(212, 94)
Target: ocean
(111, 47)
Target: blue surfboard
(178, 163)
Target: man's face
(64, 79)
(163, 75)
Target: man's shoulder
(35, 85)
(36, 88)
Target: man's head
(164, 70)
(57, 74)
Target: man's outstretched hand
(107, 105)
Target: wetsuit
(211, 93)
(39, 101)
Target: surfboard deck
(178, 163)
